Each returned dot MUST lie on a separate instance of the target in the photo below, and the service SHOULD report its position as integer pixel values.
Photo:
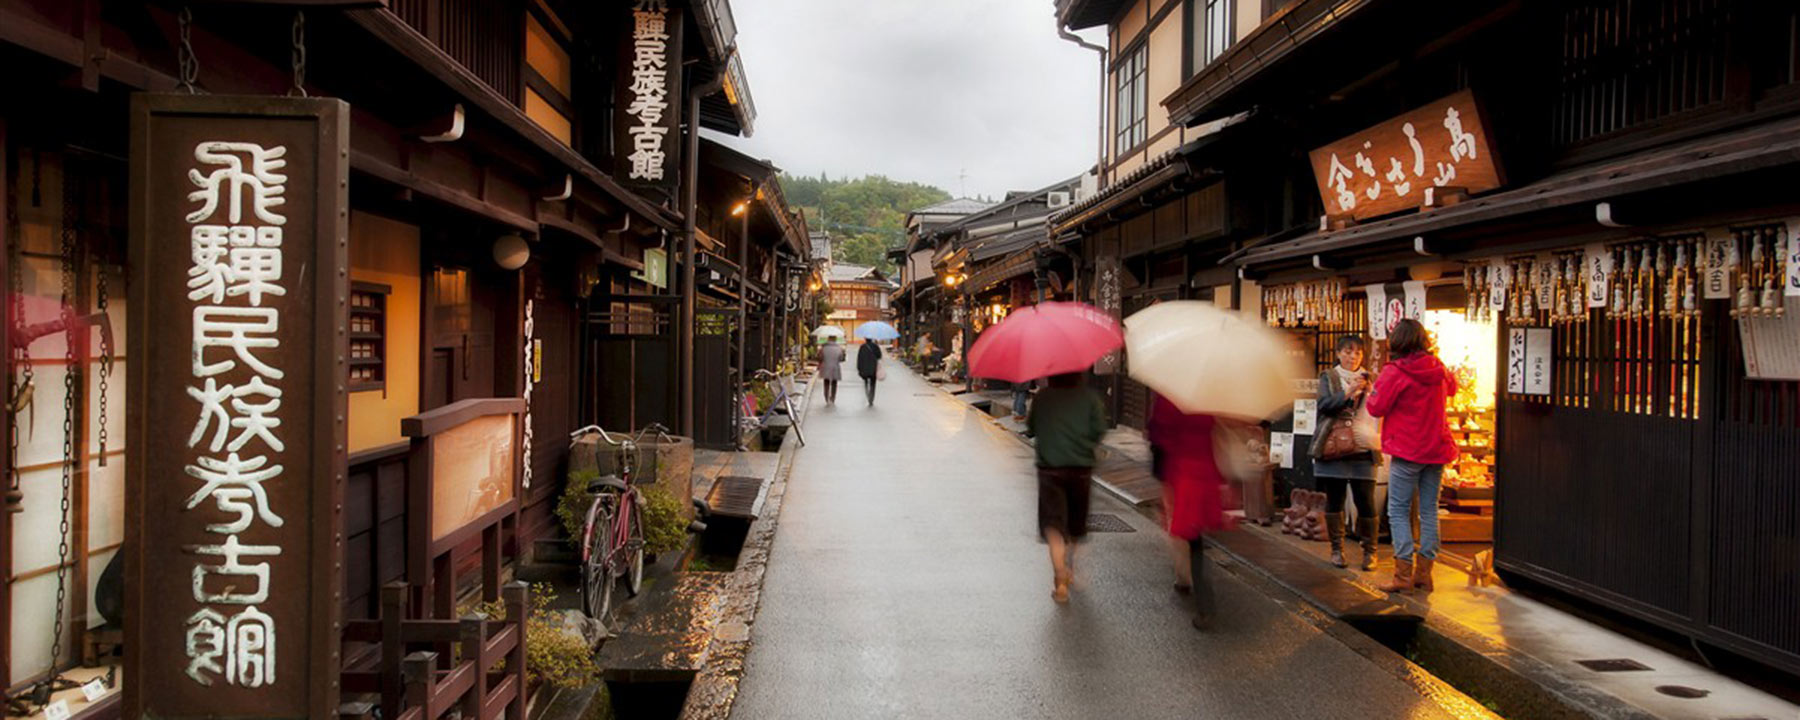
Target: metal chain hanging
(101, 270)
(299, 55)
(72, 217)
(189, 62)
(18, 357)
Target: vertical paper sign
(1377, 311)
(1715, 280)
(1306, 413)
(1544, 269)
(1415, 299)
(238, 261)
(1499, 283)
(1539, 342)
(1281, 449)
(1596, 267)
(1515, 360)
(1793, 258)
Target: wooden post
(420, 671)
(393, 647)
(490, 562)
(472, 631)
(518, 608)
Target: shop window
(549, 77)
(1130, 93)
(368, 336)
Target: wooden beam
(369, 164)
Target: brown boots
(1402, 580)
(1409, 575)
(1422, 574)
(1334, 531)
(1365, 531)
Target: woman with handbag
(1409, 397)
(1341, 465)
(1184, 457)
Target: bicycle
(612, 535)
(751, 420)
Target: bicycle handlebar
(661, 430)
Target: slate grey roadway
(907, 581)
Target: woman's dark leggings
(1361, 491)
(831, 390)
(1202, 588)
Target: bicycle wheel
(634, 549)
(596, 572)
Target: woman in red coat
(1193, 504)
(1409, 397)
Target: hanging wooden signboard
(647, 122)
(239, 210)
(1408, 161)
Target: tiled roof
(850, 271)
(821, 245)
(955, 206)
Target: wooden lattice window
(368, 336)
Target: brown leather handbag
(1340, 431)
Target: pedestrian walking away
(868, 365)
(1409, 397)
(831, 361)
(1067, 420)
(1183, 458)
(1342, 390)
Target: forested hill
(866, 216)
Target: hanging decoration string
(299, 55)
(190, 63)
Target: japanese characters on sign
(1528, 360)
(534, 361)
(649, 115)
(239, 261)
(1400, 164)
(1107, 298)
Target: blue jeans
(1020, 395)
(1408, 480)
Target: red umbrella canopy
(1043, 340)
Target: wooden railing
(428, 668)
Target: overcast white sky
(919, 90)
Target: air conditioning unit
(1057, 199)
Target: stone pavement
(907, 580)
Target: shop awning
(1717, 156)
(1019, 263)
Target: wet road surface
(907, 580)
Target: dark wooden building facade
(1641, 148)
(496, 240)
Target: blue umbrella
(876, 330)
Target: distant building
(858, 294)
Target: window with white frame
(1129, 99)
(1211, 30)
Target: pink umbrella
(1043, 340)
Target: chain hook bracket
(299, 55)
(189, 62)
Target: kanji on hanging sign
(239, 306)
(1407, 161)
(648, 124)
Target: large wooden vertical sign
(647, 123)
(239, 214)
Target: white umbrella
(825, 331)
(1213, 361)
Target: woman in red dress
(1193, 495)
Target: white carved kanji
(230, 483)
(231, 569)
(229, 182)
(242, 329)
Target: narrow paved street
(907, 580)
